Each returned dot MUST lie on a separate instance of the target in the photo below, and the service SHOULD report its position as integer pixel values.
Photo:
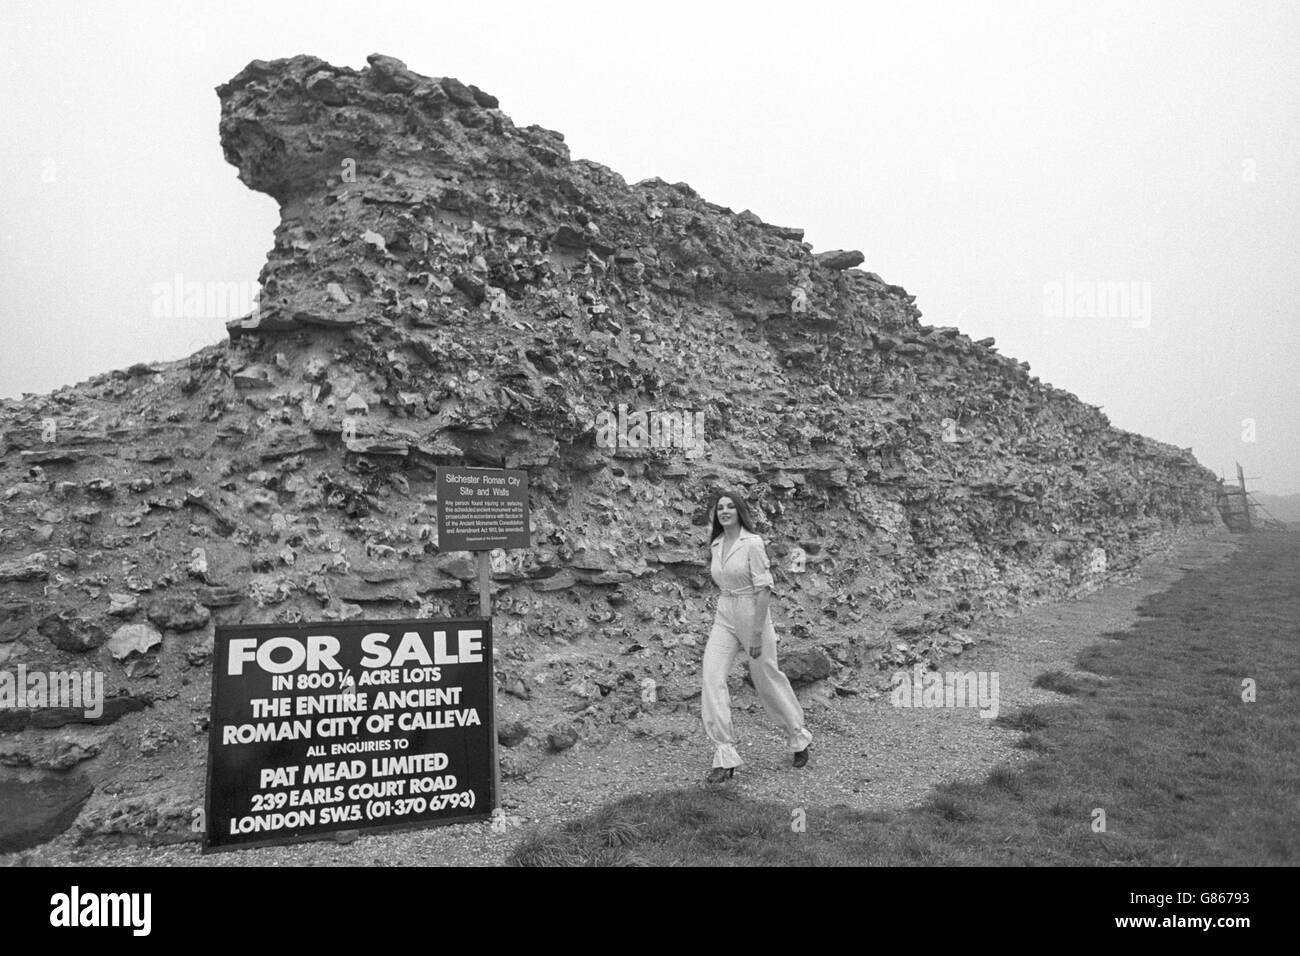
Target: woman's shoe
(801, 757)
(719, 774)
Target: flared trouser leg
(772, 686)
(715, 701)
(778, 697)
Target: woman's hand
(756, 649)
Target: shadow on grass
(1058, 681)
(1025, 721)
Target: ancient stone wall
(448, 288)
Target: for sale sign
(327, 726)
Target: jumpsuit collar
(720, 542)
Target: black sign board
(482, 508)
(348, 725)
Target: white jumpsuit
(739, 573)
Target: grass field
(1152, 757)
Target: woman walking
(743, 626)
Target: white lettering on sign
(320, 651)
(412, 648)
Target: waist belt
(740, 592)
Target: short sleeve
(760, 568)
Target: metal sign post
(484, 561)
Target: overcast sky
(1015, 166)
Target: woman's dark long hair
(742, 513)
